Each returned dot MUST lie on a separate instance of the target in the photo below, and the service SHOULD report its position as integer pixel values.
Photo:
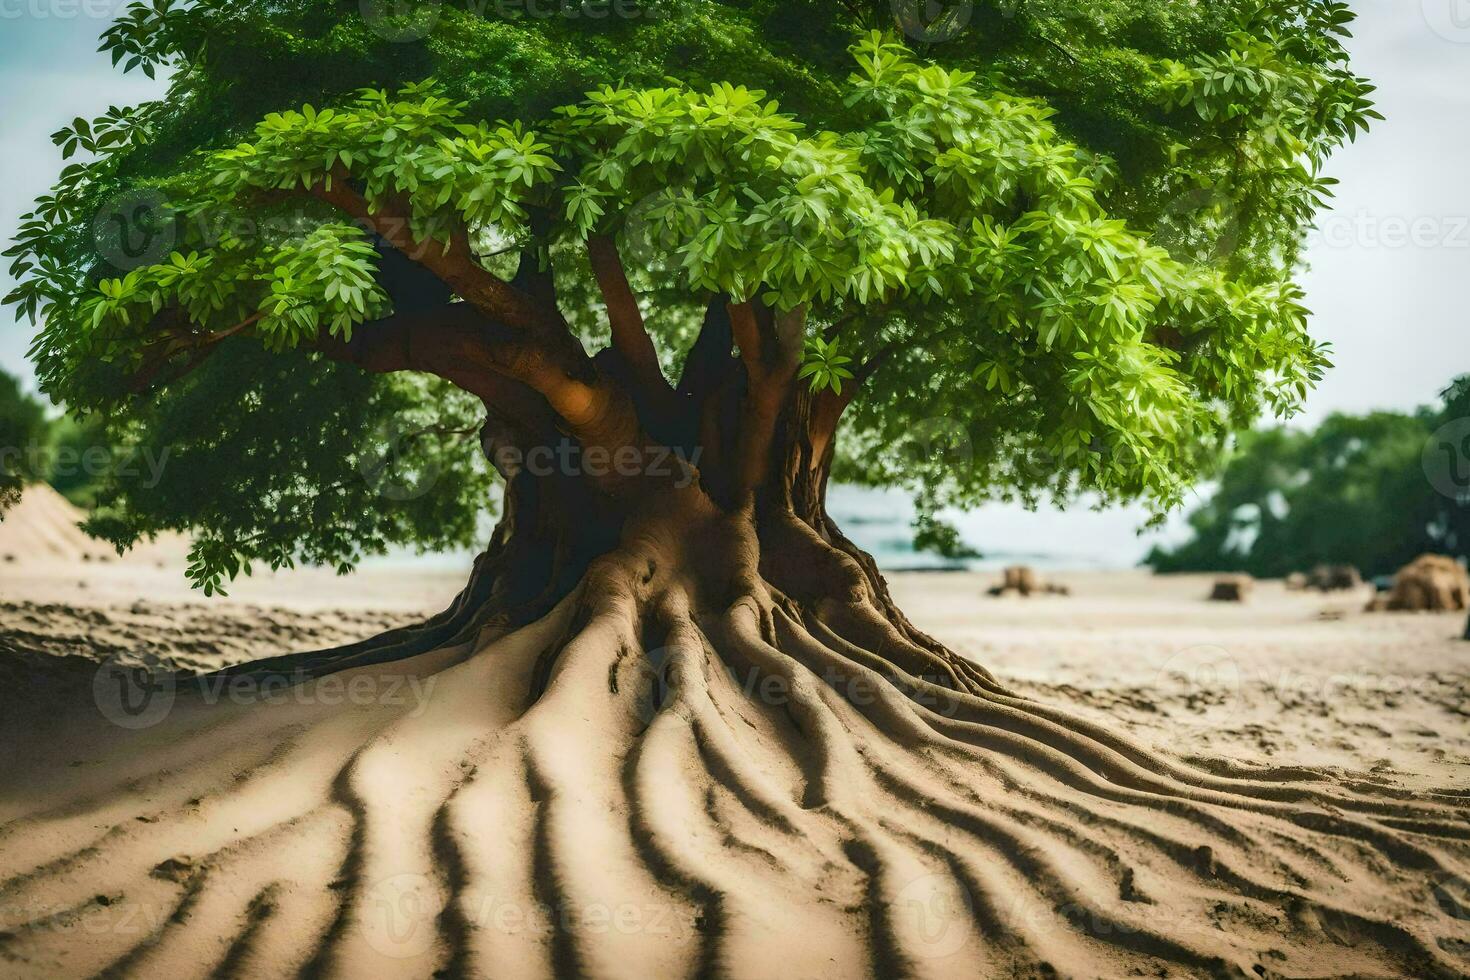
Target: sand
(414, 822)
(43, 525)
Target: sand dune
(43, 526)
(652, 814)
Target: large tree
(666, 271)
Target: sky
(1387, 271)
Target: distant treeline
(1374, 491)
(35, 447)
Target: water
(880, 522)
(1077, 538)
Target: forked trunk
(669, 734)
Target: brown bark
(454, 264)
(629, 335)
(557, 523)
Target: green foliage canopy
(1065, 234)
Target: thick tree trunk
(683, 730)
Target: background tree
(1358, 490)
(1047, 250)
(79, 457)
(23, 431)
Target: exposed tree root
(671, 774)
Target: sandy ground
(147, 614)
(420, 820)
(1286, 678)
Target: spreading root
(651, 781)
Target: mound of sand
(1429, 583)
(1335, 578)
(1232, 588)
(45, 526)
(1023, 580)
(443, 817)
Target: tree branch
(460, 345)
(629, 333)
(179, 341)
(522, 337)
(534, 275)
(770, 348)
(709, 360)
(827, 407)
(455, 265)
